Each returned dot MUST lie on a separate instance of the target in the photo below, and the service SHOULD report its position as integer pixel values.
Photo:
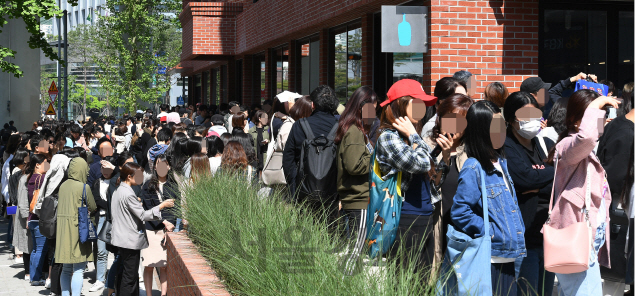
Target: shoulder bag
(86, 229)
(566, 250)
(34, 198)
(272, 173)
(466, 267)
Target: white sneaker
(97, 286)
(18, 260)
(27, 278)
(47, 284)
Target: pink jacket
(574, 155)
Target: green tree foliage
(134, 46)
(30, 11)
(81, 51)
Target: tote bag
(466, 269)
(272, 173)
(86, 230)
(383, 211)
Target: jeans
(39, 252)
(72, 285)
(178, 225)
(531, 268)
(586, 282)
(103, 255)
(113, 272)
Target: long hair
(352, 113)
(247, 144)
(215, 146)
(579, 101)
(444, 88)
(516, 101)
(455, 103)
(13, 144)
(396, 109)
(233, 157)
(200, 166)
(628, 182)
(477, 135)
(36, 159)
(558, 114)
(155, 179)
(18, 158)
(174, 152)
(237, 121)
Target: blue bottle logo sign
(404, 32)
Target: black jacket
(137, 149)
(614, 150)
(150, 200)
(321, 123)
(527, 172)
(555, 93)
(145, 153)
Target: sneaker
(97, 286)
(27, 278)
(47, 284)
(38, 283)
(18, 260)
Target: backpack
(318, 169)
(383, 211)
(49, 213)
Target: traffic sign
(53, 89)
(50, 110)
(53, 97)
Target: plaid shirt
(395, 155)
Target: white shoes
(97, 286)
(18, 260)
(27, 278)
(47, 284)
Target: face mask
(529, 129)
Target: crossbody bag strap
(271, 129)
(84, 195)
(553, 186)
(485, 205)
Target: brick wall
(189, 274)
(208, 28)
(494, 40)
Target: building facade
(248, 50)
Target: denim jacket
(505, 220)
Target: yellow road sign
(53, 89)
(50, 110)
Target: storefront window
(206, 85)
(348, 60)
(574, 41)
(309, 65)
(407, 66)
(281, 57)
(197, 92)
(625, 47)
(223, 83)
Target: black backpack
(317, 174)
(49, 213)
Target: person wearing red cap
(401, 149)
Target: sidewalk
(12, 276)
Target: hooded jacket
(68, 246)
(53, 178)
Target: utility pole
(58, 65)
(66, 68)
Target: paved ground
(12, 276)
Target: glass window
(223, 83)
(348, 60)
(574, 41)
(197, 91)
(309, 65)
(625, 45)
(407, 66)
(205, 86)
(281, 57)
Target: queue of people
(467, 169)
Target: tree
(81, 50)
(130, 33)
(30, 11)
(168, 46)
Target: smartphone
(612, 113)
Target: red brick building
(248, 50)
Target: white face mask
(529, 129)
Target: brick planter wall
(188, 273)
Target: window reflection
(348, 60)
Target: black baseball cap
(182, 111)
(533, 85)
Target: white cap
(286, 96)
(139, 112)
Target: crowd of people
(537, 159)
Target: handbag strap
(553, 189)
(84, 195)
(485, 204)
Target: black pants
(415, 238)
(503, 279)
(127, 279)
(355, 237)
(56, 268)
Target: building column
(247, 80)
(366, 73)
(326, 52)
(269, 68)
(294, 69)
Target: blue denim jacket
(507, 227)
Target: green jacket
(353, 161)
(265, 136)
(68, 246)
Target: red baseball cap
(408, 87)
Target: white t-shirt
(214, 164)
(104, 187)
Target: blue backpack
(383, 212)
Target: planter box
(188, 273)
